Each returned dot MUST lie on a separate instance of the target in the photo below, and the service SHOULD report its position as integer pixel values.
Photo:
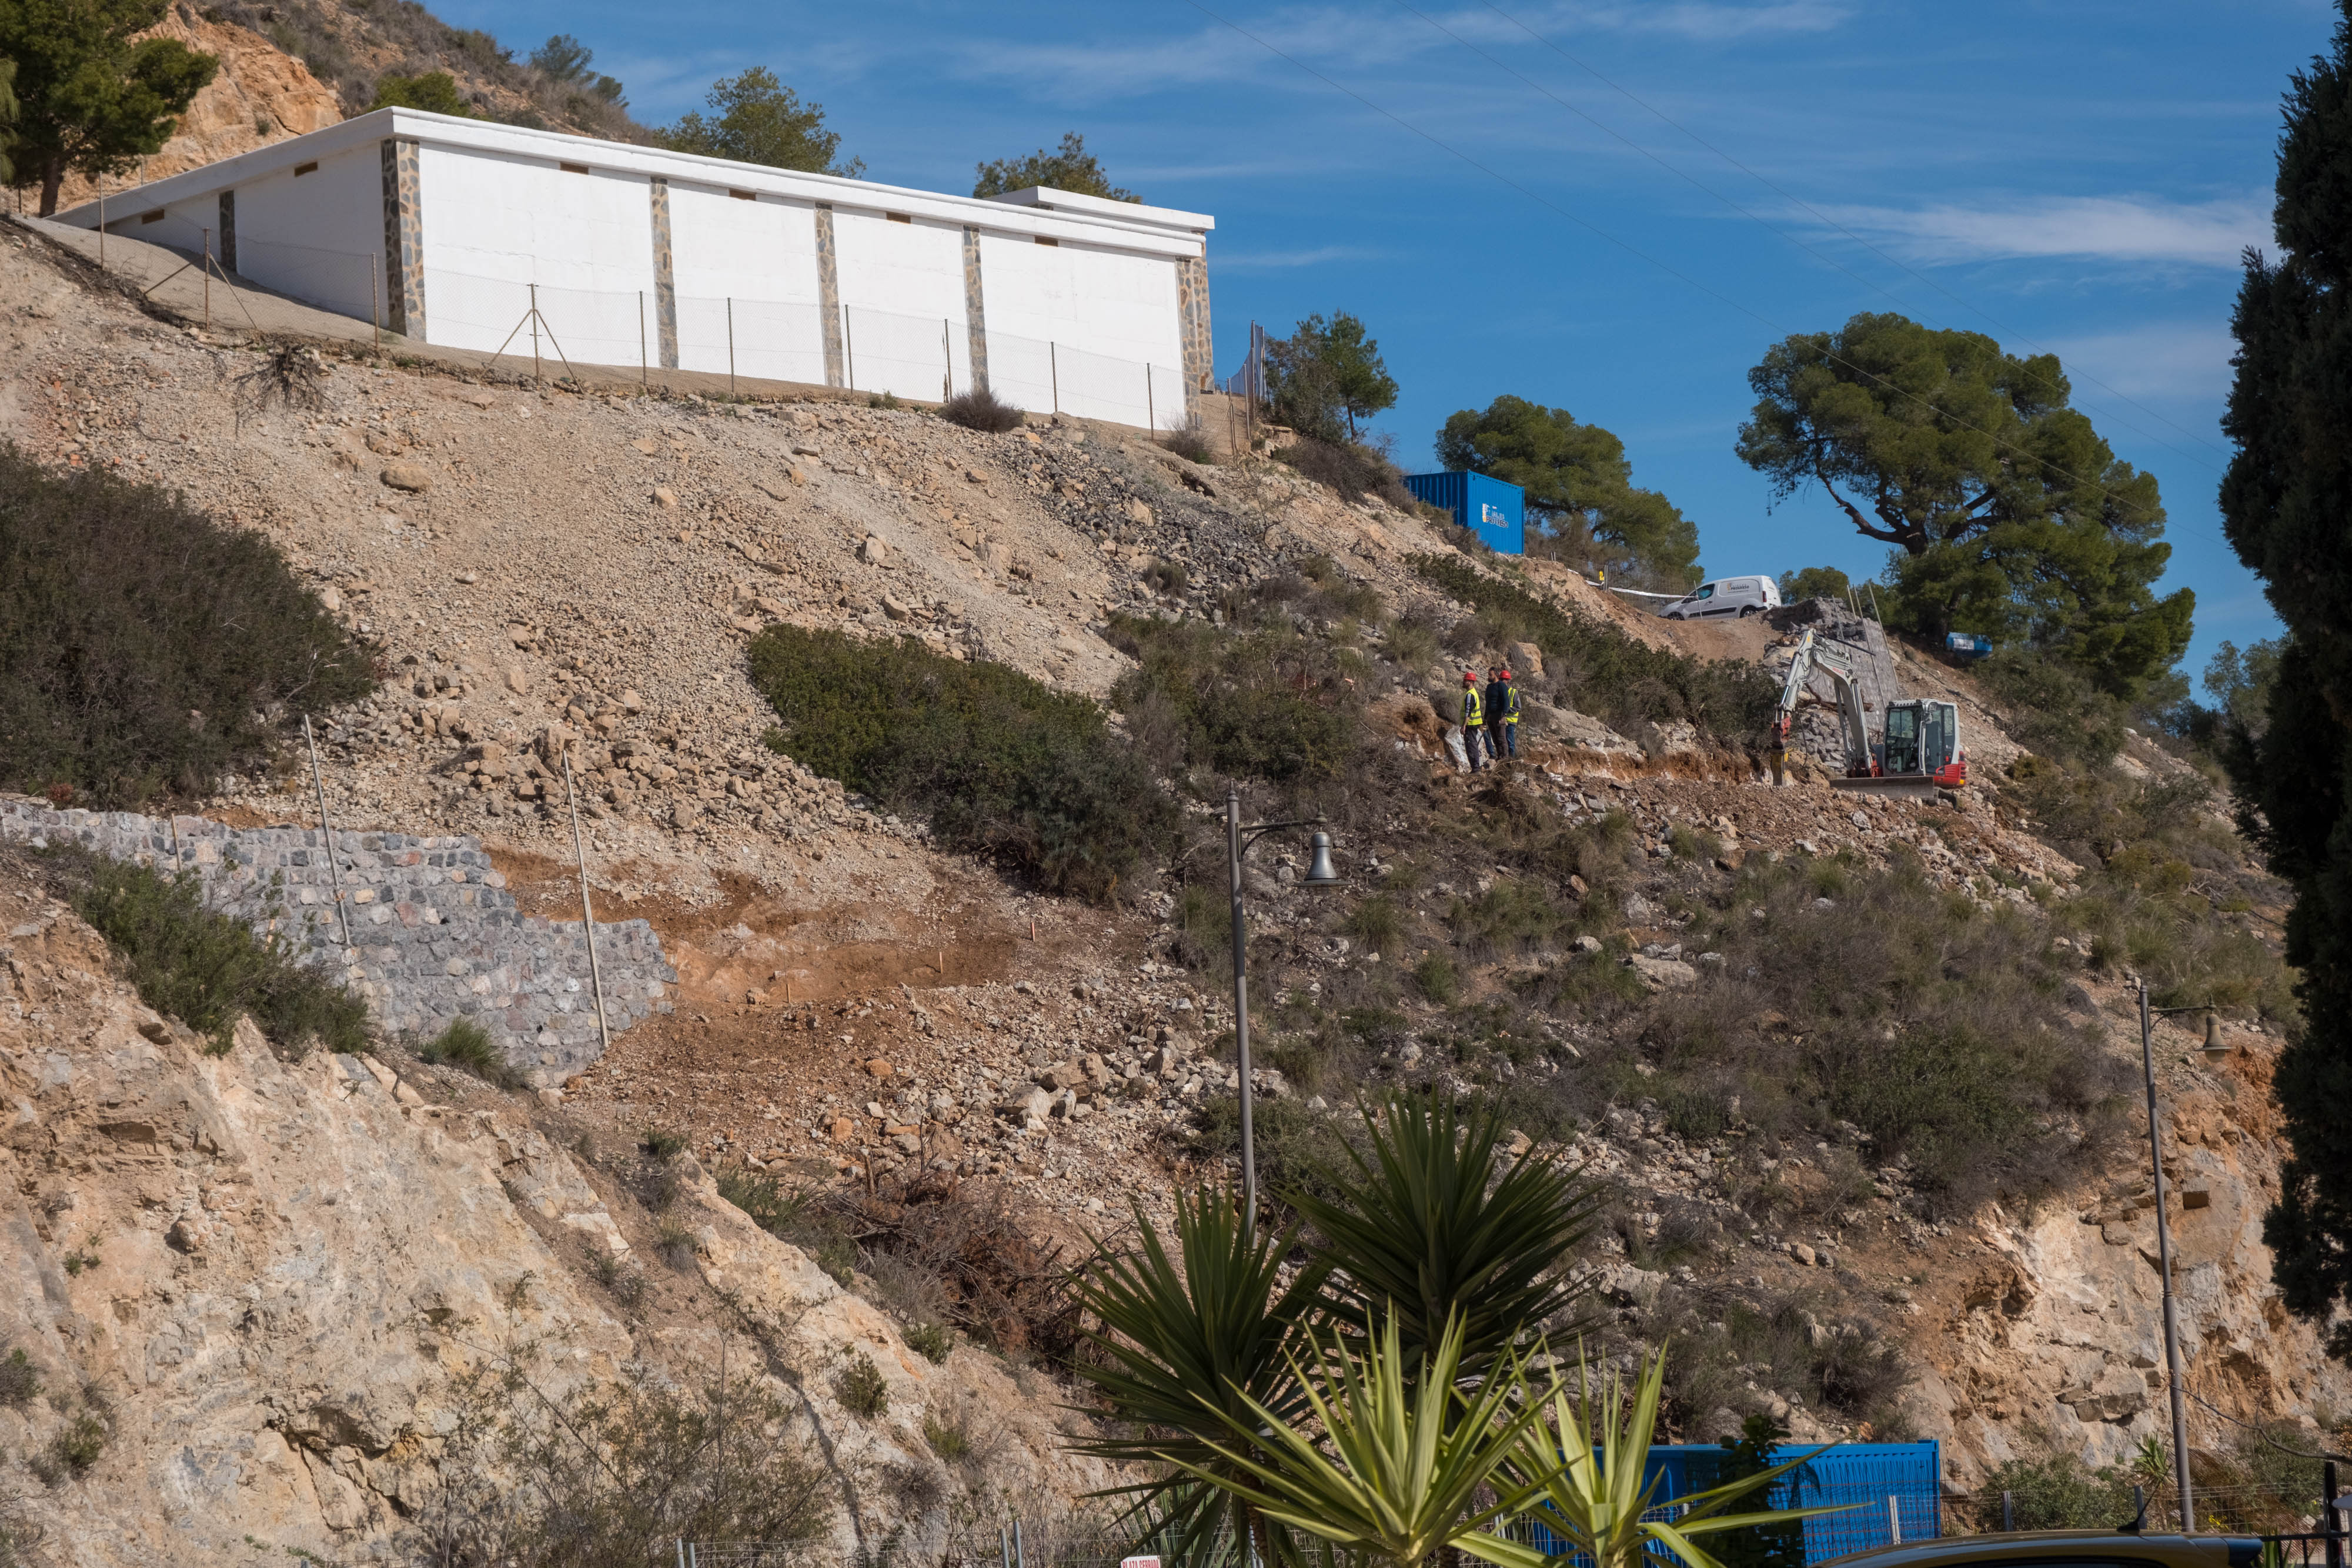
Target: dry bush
(618, 1471)
(982, 410)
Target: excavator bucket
(1902, 787)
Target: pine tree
(2286, 505)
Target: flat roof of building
(1037, 212)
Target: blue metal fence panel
(1493, 510)
(1881, 1488)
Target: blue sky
(1476, 181)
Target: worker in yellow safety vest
(1474, 718)
(1503, 714)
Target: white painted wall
(902, 292)
(317, 236)
(761, 255)
(1107, 313)
(494, 223)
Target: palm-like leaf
(1189, 1351)
(1398, 1470)
(1418, 1231)
(1595, 1498)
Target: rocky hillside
(306, 1305)
(866, 1018)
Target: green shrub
(2061, 1493)
(862, 1388)
(815, 1228)
(1437, 978)
(933, 1341)
(951, 1444)
(435, 92)
(661, 1145)
(675, 1242)
(467, 1047)
(1933, 1025)
(80, 1444)
(1606, 673)
(1376, 923)
(1001, 764)
(1266, 704)
(143, 647)
(1511, 916)
(18, 1380)
(204, 967)
(980, 410)
(1349, 467)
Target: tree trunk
(53, 178)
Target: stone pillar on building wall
(403, 240)
(975, 310)
(1192, 311)
(828, 295)
(228, 230)
(665, 281)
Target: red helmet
(1469, 677)
(1505, 672)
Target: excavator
(1917, 751)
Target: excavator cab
(1923, 739)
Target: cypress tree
(2286, 505)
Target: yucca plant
(1584, 1474)
(1192, 1354)
(1424, 1230)
(1405, 1461)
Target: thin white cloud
(2141, 229)
(2176, 361)
(1273, 260)
(1714, 23)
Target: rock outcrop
(251, 1292)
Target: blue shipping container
(1880, 1488)
(1968, 645)
(1493, 510)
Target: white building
(449, 231)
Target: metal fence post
(1150, 417)
(946, 358)
(1054, 368)
(335, 871)
(208, 280)
(645, 377)
(848, 352)
(1894, 1522)
(376, 305)
(730, 345)
(535, 374)
(587, 915)
(2330, 1520)
(2008, 1511)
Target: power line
(1817, 213)
(1631, 249)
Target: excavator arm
(1814, 654)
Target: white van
(1725, 596)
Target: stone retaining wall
(435, 936)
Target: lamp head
(2215, 1048)
(1320, 873)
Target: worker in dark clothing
(1499, 698)
(1474, 718)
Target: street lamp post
(2214, 1052)
(1319, 873)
